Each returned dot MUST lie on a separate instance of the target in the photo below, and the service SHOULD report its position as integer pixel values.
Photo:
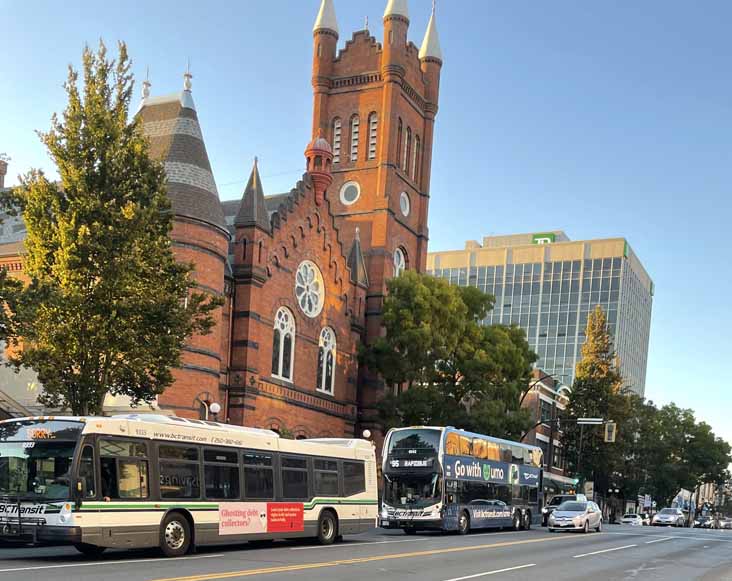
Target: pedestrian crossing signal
(610, 432)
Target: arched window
(399, 143)
(283, 344)
(416, 160)
(355, 127)
(326, 360)
(336, 140)
(373, 131)
(407, 150)
(400, 261)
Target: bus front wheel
(175, 535)
(327, 528)
(517, 521)
(527, 520)
(464, 523)
(89, 550)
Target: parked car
(632, 519)
(702, 522)
(555, 501)
(576, 516)
(725, 523)
(669, 517)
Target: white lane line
(492, 572)
(101, 563)
(604, 551)
(341, 545)
(659, 540)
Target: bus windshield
(35, 459)
(412, 491)
(425, 440)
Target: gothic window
(373, 130)
(283, 344)
(309, 288)
(399, 143)
(337, 140)
(407, 150)
(355, 127)
(416, 160)
(326, 360)
(400, 261)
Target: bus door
(452, 505)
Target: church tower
(376, 103)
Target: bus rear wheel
(327, 528)
(517, 521)
(175, 535)
(463, 523)
(88, 550)
(527, 520)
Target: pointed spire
(326, 19)
(146, 84)
(186, 98)
(252, 211)
(397, 8)
(366, 23)
(431, 44)
(187, 76)
(356, 262)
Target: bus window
(179, 472)
(258, 476)
(294, 477)
(492, 451)
(354, 478)
(506, 454)
(517, 453)
(87, 472)
(452, 444)
(221, 474)
(465, 446)
(124, 475)
(326, 477)
(479, 448)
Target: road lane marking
(341, 545)
(604, 551)
(359, 560)
(659, 540)
(492, 572)
(100, 563)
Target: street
(619, 552)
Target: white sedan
(632, 519)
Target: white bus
(138, 481)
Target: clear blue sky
(601, 118)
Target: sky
(600, 118)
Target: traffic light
(610, 431)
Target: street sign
(610, 432)
(589, 421)
(589, 489)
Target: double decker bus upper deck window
(419, 439)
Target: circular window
(350, 192)
(400, 262)
(404, 204)
(309, 288)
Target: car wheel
(552, 530)
(598, 528)
(586, 528)
(175, 535)
(527, 520)
(464, 523)
(327, 528)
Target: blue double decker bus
(437, 478)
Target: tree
(442, 366)
(597, 392)
(107, 308)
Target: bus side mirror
(79, 491)
(450, 498)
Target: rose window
(309, 288)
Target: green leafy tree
(442, 366)
(107, 308)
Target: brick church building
(303, 273)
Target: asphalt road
(616, 553)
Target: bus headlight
(544, 510)
(65, 514)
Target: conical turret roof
(171, 124)
(431, 44)
(253, 211)
(397, 8)
(326, 19)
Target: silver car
(576, 516)
(673, 517)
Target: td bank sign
(543, 238)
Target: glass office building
(547, 285)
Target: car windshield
(573, 506)
(35, 459)
(669, 511)
(412, 491)
(630, 516)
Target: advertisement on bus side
(239, 518)
(475, 469)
